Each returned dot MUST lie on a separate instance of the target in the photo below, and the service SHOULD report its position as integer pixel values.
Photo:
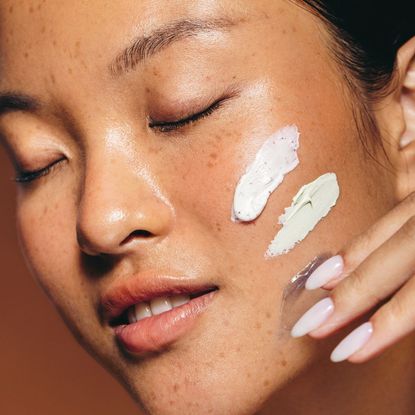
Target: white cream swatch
(311, 204)
(276, 157)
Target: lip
(153, 333)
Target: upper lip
(144, 287)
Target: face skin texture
(81, 225)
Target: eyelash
(165, 127)
(169, 126)
(29, 176)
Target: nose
(119, 209)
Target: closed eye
(168, 126)
(30, 176)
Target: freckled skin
(180, 188)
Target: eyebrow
(140, 49)
(11, 101)
(144, 47)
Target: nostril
(140, 233)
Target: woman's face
(130, 200)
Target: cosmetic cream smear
(311, 204)
(296, 300)
(276, 158)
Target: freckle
(176, 387)
(210, 165)
(258, 325)
(52, 78)
(269, 332)
(78, 44)
(284, 32)
(268, 314)
(147, 90)
(283, 363)
(39, 6)
(31, 10)
(171, 402)
(228, 189)
(238, 349)
(266, 382)
(294, 29)
(54, 43)
(248, 375)
(43, 30)
(26, 55)
(213, 155)
(70, 71)
(221, 354)
(11, 9)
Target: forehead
(72, 41)
(44, 36)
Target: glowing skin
(82, 226)
(276, 157)
(310, 205)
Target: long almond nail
(327, 271)
(352, 343)
(313, 318)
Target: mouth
(147, 317)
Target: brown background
(42, 369)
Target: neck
(383, 386)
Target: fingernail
(352, 343)
(407, 138)
(313, 318)
(327, 271)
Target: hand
(377, 267)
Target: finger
(357, 250)
(376, 278)
(392, 322)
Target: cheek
(47, 239)
(208, 179)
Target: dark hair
(366, 36)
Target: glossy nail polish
(327, 271)
(352, 343)
(313, 318)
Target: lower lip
(152, 334)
